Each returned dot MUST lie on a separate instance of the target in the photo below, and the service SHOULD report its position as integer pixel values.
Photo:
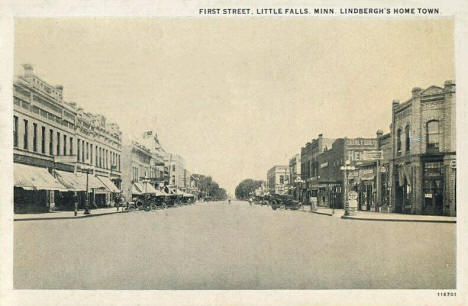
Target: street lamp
(345, 168)
(87, 170)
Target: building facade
(332, 181)
(295, 175)
(278, 179)
(424, 152)
(51, 134)
(176, 166)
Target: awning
(35, 178)
(108, 183)
(135, 189)
(143, 188)
(71, 181)
(77, 181)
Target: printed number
(446, 294)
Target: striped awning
(35, 178)
(108, 183)
(77, 181)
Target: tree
(209, 188)
(246, 188)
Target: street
(220, 246)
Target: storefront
(433, 186)
(34, 189)
(403, 189)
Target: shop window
(433, 135)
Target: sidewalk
(67, 214)
(376, 216)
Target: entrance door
(433, 188)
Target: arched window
(399, 141)
(433, 133)
(407, 138)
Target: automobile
(285, 201)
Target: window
(25, 135)
(34, 137)
(407, 138)
(399, 140)
(357, 155)
(58, 143)
(281, 179)
(87, 151)
(15, 131)
(173, 167)
(71, 145)
(91, 153)
(82, 151)
(78, 148)
(51, 142)
(64, 144)
(43, 140)
(433, 136)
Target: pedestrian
(75, 202)
(117, 201)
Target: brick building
(330, 183)
(424, 152)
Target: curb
(397, 220)
(70, 217)
(322, 213)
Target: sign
(453, 164)
(352, 199)
(323, 165)
(372, 155)
(65, 158)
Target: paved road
(221, 246)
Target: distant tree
(246, 188)
(209, 188)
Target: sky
(236, 96)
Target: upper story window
(15, 131)
(433, 136)
(399, 141)
(407, 138)
(25, 135)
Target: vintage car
(285, 201)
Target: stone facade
(278, 179)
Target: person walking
(75, 202)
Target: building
(424, 152)
(295, 175)
(176, 166)
(52, 139)
(278, 179)
(310, 166)
(157, 174)
(332, 181)
(136, 168)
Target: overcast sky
(236, 96)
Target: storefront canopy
(77, 181)
(35, 178)
(144, 188)
(108, 183)
(71, 181)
